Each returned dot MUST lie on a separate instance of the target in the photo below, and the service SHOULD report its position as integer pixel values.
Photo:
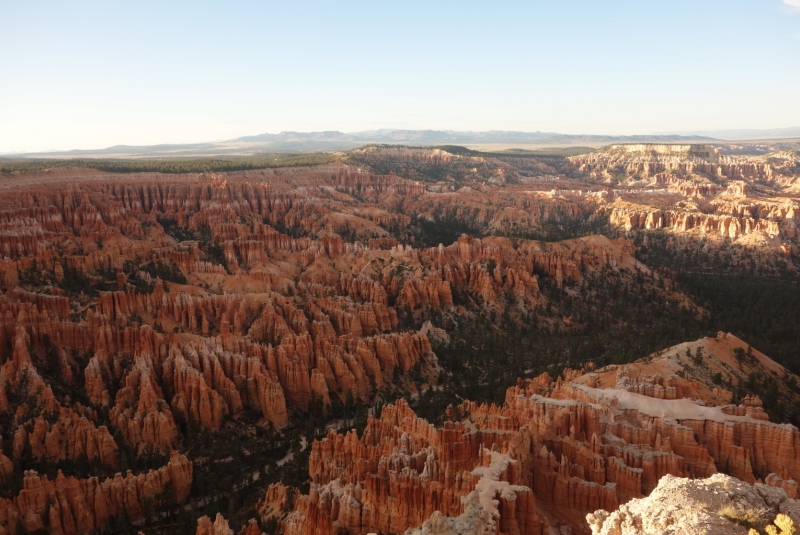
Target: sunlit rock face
(555, 452)
(717, 505)
(136, 307)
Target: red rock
(72, 506)
(140, 411)
(218, 527)
(397, 475)
(579, 448)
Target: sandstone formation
(275, 503)
(54, 432)
(708, 369)
(718, 505)
(402, 471)
(220, 526)
(119, 337)
(725, 219)
(268, 321)
(651, 159)
(696, 189)
(71, 506)
(137, 309)
(553, 453)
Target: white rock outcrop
(718, 505)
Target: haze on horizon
(93, 74)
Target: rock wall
(74, 506)
(783, 223)
(558, 447)
(269, 321)
(651, 159)
(401, 471)
(718, 505)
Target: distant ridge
(452, 136)
(751, 133)
(334, 140)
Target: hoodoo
(325, 349)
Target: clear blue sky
(95, 74)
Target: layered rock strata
(402, 471)
(719, 505)
(71, 506)
(553, 453)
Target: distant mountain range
(334, 140)
(438, 137)
(745, 133)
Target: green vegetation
(165, 271)
(446, 229)
(615, 316)
(216, 254)
(554, 152)
(212, 251)
(762, 312)
(618, 317)
(177, 165)
(557, 229)
(752, 293)
(172, 228)
(75, 283)
(227, 457)
(487, 354)
(475, 167)
(170, 165)
(427, 233)
(234, 465)
(746, 291)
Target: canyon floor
(395, 339)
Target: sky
(83, 75)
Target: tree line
(170, 165)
